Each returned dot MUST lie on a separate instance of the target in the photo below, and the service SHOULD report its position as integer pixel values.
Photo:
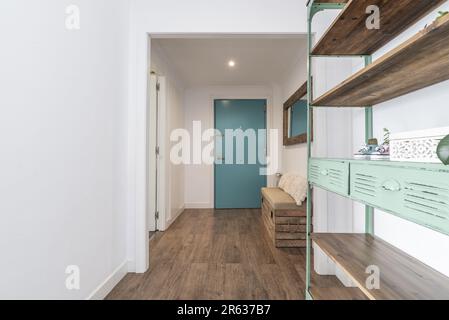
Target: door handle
(391, 185)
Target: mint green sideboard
(412, 191)
(332, 175)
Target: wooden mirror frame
(302, 138)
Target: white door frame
(163, 158)
(152, 156)
(157, 161)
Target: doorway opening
(194, 87)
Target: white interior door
(152, 206)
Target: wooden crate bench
(284, 220)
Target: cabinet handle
(324, 172)
(391, 185)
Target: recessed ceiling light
(231, 63)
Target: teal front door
(240, 153)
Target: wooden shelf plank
(402, 277)
(348, 35)
(420, 62)
(337, 293)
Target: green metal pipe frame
(312, 9)
(369, 211)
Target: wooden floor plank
(195, 285)
(215, 282)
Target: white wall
(294, 158)
(62, 139)
(199, 107)
(212, 16)
(332, 137)
(173, 119)
(423, 109)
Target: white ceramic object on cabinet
(417, 146)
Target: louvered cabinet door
(332, 175)
(416, 194)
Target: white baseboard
(177, 214)
(131, 266)
(199, 205)
(109, 283)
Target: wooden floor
(217, 254)
(222, 254)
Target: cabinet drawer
(332, 175)
(415, 194)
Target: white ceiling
(258, 60)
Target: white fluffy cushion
(295, 185)
(283, 181)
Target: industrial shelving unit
(417, 192)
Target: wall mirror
(295, 118)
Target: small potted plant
(384, 148)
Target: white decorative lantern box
(417, 146)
